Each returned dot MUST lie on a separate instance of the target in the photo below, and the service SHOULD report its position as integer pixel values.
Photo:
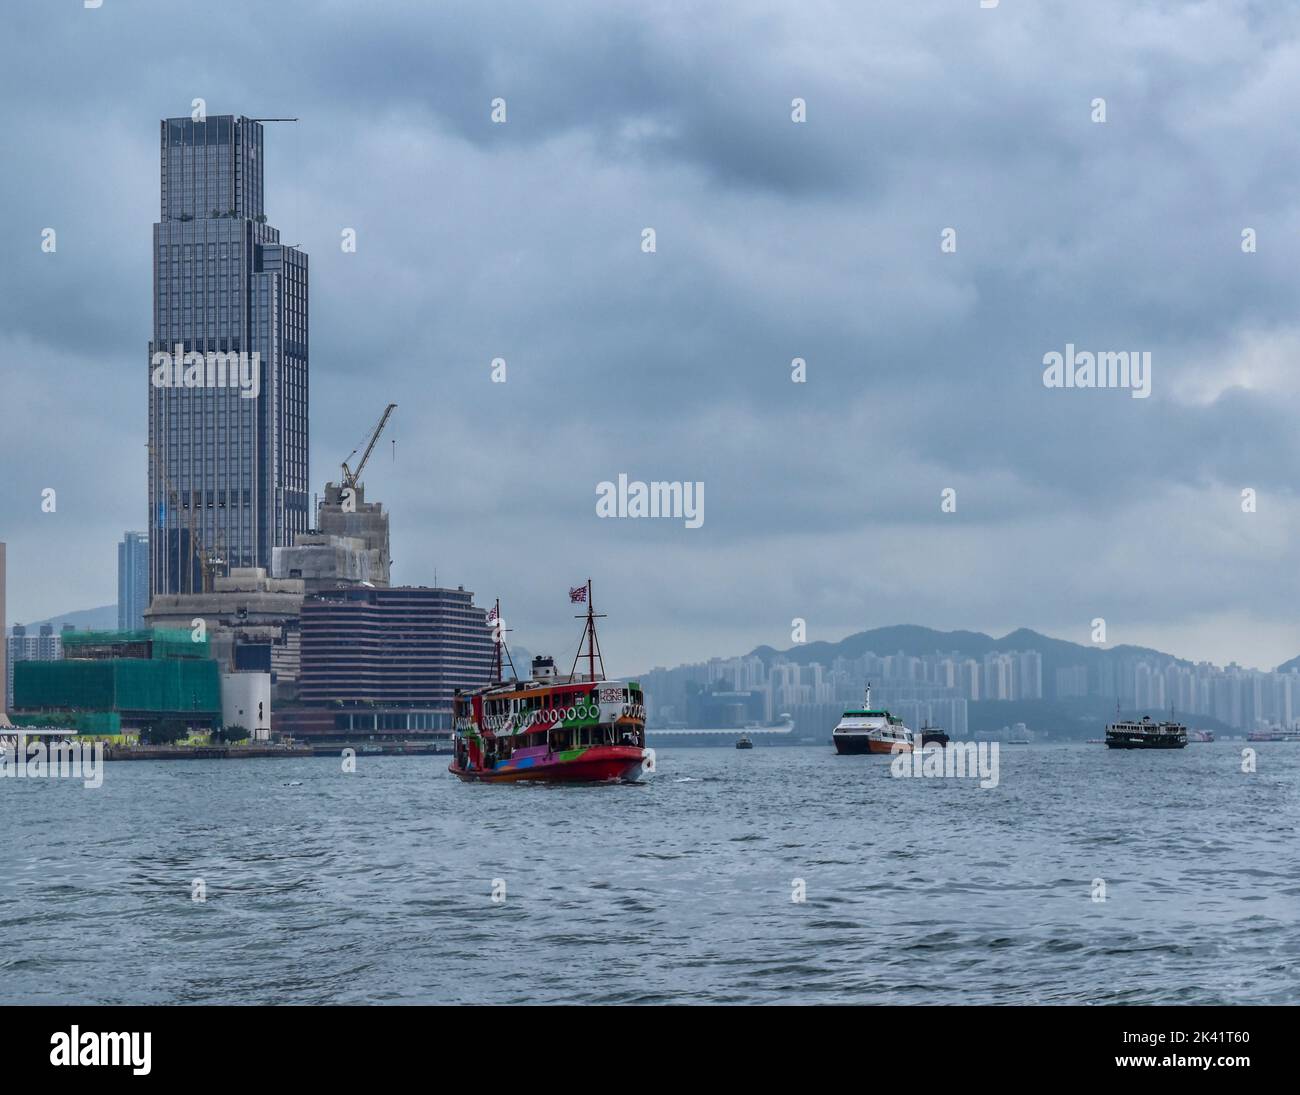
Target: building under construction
(250, 620)
(115, 682)
(349, 545)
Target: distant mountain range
(915, 641)
(103, 618)
(1287, 667)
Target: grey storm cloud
(775, 241)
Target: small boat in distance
(863, 730)
(1276, 734)
(1146, 734)
(1200, 735)
(933, 735)
(744, 742)
(581, 728)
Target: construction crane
(352, 478)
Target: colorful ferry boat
(863, 730)
(580, 728)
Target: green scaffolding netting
(176, 686)
(158, 643)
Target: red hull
(596, 764)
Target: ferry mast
(593, 643)
(499, 644)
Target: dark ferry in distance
(933, 735)
(1145, 733)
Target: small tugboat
(744, 742)
(1146, 734)
(581, 728)
(862, 730)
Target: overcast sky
(775, 240)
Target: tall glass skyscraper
(228, 477)
(132, 580)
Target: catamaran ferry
(862, 730)
(580, 728)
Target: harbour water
(377, 886)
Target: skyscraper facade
(132, 580)
(228, 376)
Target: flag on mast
(577, 595)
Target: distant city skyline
(936, 687)
(822, 241)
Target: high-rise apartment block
(132, 580)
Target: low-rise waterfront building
(386, 662)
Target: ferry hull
(1145, 743)
(595, 764)
(857, 744)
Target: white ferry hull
(857, 744)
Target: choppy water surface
(376, 887)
